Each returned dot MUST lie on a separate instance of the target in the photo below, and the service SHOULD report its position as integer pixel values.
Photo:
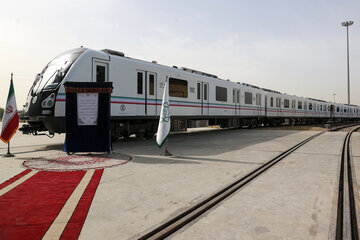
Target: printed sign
(87, 104)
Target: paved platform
(293, 199)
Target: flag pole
(8, 154)
(166, 153)
(10, 119)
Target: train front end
(39, 111)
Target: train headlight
(49, 101)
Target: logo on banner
(122, 107)
(9, 109)
(166, 112)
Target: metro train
(195, 96)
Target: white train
(194, 95)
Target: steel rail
(346, 221)
(342, 127)
(171, 226)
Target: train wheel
(114, 138)
(148, 134)
(140, 134)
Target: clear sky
(293, 46)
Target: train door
(151, 94)
(205, 100)
(100, 71)
(236, 101)
(203, 97)
(278, 107)
(140, 93)
(146, 93)
(258, 104)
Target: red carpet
(13, 179)
(73, 228)
(28, 210)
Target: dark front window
(55, 71)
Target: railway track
(174, 224)
(337, 128)
(346, 223)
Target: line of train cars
(195, 97)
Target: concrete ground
(293, 200)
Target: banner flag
(10, 120)
(164, 122)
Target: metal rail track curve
(346, 221)
(192, 213)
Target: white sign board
(87, 105)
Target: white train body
(138, 89)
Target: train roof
(269, 90)
(193, 71)
(314, 99)
(185, 69)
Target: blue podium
(87, 117)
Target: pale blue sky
(296, 47)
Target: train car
(138, 88)
(136, 98)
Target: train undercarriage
(146, 128)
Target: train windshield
(54, 72)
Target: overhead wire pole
(347, 24)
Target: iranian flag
(10, 120)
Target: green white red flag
(164, 122)
(10, 120)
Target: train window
(337, 109)
(305, 105)
(310, 106)
(205, 91)
(151, 83)
(293, 104)
(299, 105)
(321, 108)
(234, 96)
(178, 88)
(278, 102)
(258, 99)
(100, 73)
(271, 102)
(140, 83)
(248, 98)
(198, 90)
(221, 94)
(286, 103)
